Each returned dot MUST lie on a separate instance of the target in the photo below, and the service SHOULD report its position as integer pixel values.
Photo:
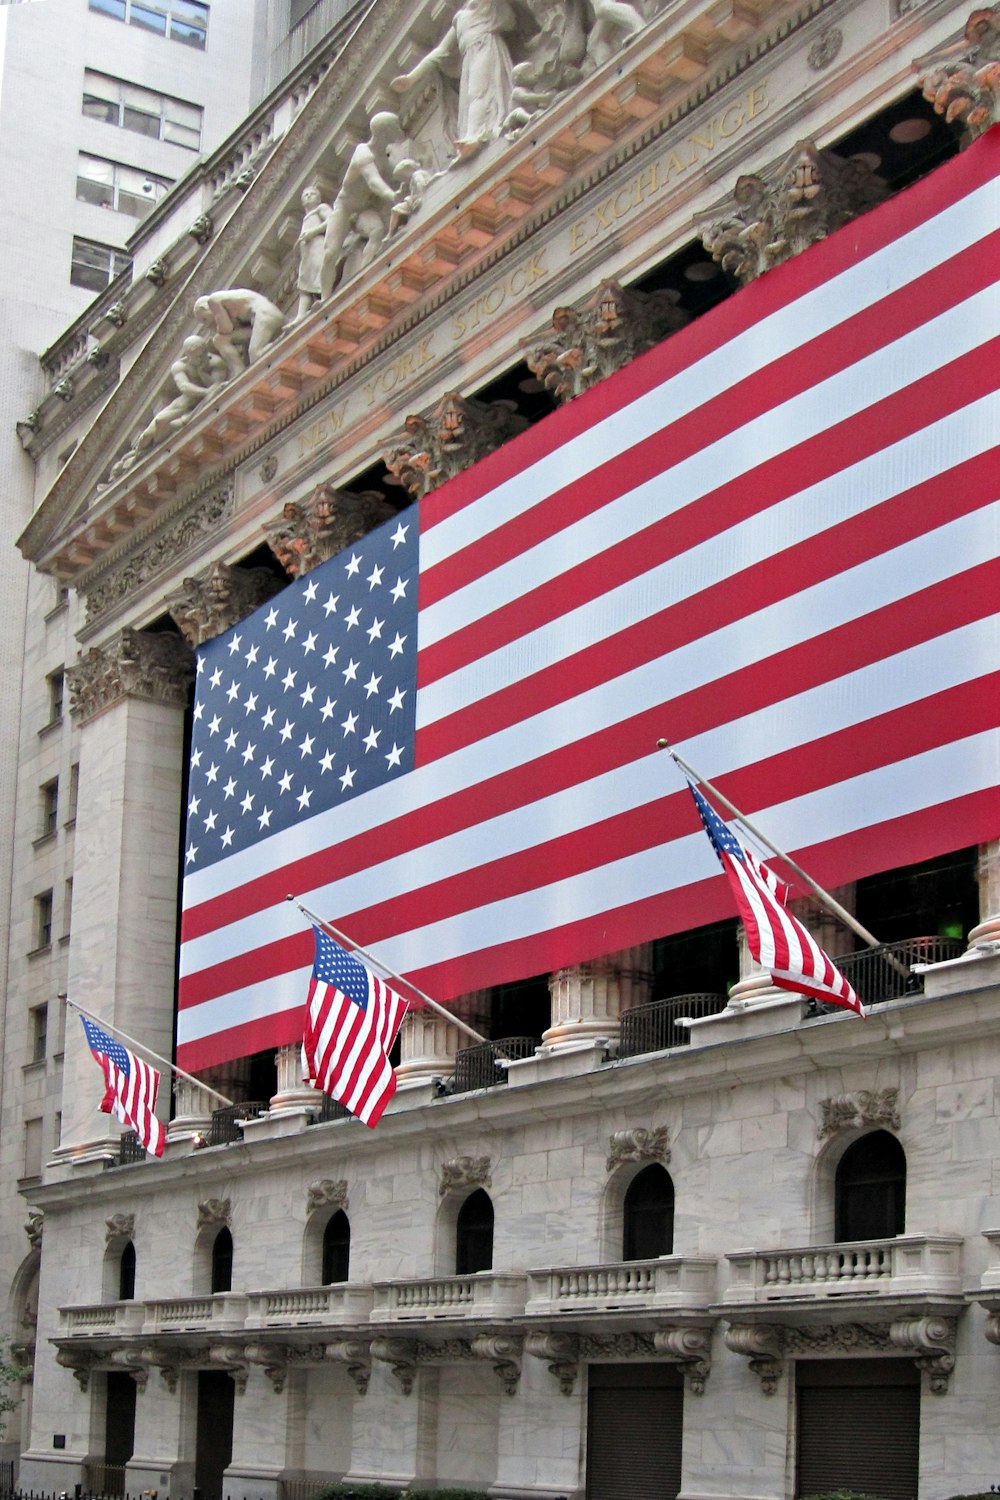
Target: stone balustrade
(102, 1319)
(213, 1313)
(307, 1307)
(672, 1281)
(929, 1265)
(483, 1295)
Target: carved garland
(866, 1107)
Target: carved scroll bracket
(931, 1341)
(504, 1350)
(763, 1344)
(561, 1352)
(401, 1356)
(355, 1356)
(690, 1347)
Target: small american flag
(777, 941)
(131, 1087)
(352, 1017)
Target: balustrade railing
(481, 1067)
(909, 1263)
(668, 1281)
(482, 1295)
(877, 979)
(655, 1026)
(224, 1129)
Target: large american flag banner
(773, 540)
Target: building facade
(666, 1232)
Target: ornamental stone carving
(159, 271)
(311, 532)
(476, 49)
(156, 666)
(166, 1361)
(355, 1356)
(273, 1360)
(205, 606)
(358, 223)
(763, 1344)
(878, 1107)
(931, 1340)
(561, 1352)
(616, 1346)
(593, 342)
(837, 1338)
(34, 1226)
(690, 1348)
(826, 47)
(326, 1192)
(638, 1145)
(232, 1361)
(80, 1361)
(117, 314)
(401, 1356)
(555, 62)
(63, 389)
(119, 1227)
(239, 324)
(202, 229)
(214, 1211)
(464, 1172)
(806, 197)
(963, 82)
(457, 433)
(504, 1352)
(133, 1363)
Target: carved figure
(474, 47)
(413, 182)
(615, 325)
(364, 200)
(614, 23)
(239, 325)
(554, 63)
(316, 215)
(966, 88)
(196, 373)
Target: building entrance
(858, 1426)
(635, 1416)
(214, 1450)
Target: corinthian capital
(599, 338)
(963, 81)
(801, 201)
(136, 664)
(457, 433)
(323, 525)
(207, 605)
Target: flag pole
(824, 896)
(389, 973)
(141, 1046)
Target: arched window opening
(870, 1189)
(222, 1262)
(126, 1274)
(648, 1215)
(474, 1235)
(336, 1249)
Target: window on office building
(94, 265)
(111, 184)
(181, 20)
(48, 798)
(143, 111)
(57, 686)
(39, 1033)
(43, 920)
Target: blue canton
(336, 967)
(309, 701)
(723, 841)
(100, 1042)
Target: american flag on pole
(775, 537)
(352, 1017)
(131, 1089)
(777, 940)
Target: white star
(396, 701)
(353, 617)
(309, 644)
(265, 818)
(288, 681)
(285, 784)
(227, 837)
(272, 618)
(310, 592)
(210, 822)
(214, 725)
(248, 754)
(286, 730)
(196, 758)
(269, 667)
(370, 741)
(349, 724)
(375, 630)
(192, 850)
(330, 607)
(347, 779)
(328, 707)
(268, 719)
(201, 666)
(305, 797)
(307, 695)
(229, 787)
(194, 805)
(251, 655)
(251, 703)
(234, 692)
(199, 709)
(371, 686)
(326, 764)
(396, 646)
(306, 747)
(234, 644)
(212, 774)
(394, 758)
(351, 671)
(399, 536)
(267, 766)
(216, 677)
(247, 803)
(354, 565)
(375, 578)
(232, 740)
(330, 655)
(398, 590)
(289, 630)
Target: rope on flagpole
(141, 1047)
(389, 973)
(824, 896)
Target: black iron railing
(480, 1067)
(330, 1109)
(876, 979)
(654, 1027)
(106, 1480)
(130, 1150)
(224, 1130)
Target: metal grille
(106, 1479)
(876, 980)
(330, 1109)
(653, 1027)
(130, 1150)
(480, 1067)
(224, 1129)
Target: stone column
(588, 999)
(754, 986)
(293, 1096)
(192, 1111)
(129, 698)
(430, 1042)
(987, 929)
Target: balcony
(876, 978)
(482, 1066)
(912, 1265)
(672, 1283)
(657, 1026)
(214, 1313)
(104, 1320)
(310, 1307)
(485, 1296)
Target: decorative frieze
(963, 82)
(837, 1338)
(464, 1172)
(328, 521)
(209, 604)
(865, 1108)
(638, 1144)
(588, 344)
(137, 664)
(214, 1211)
(326, 1192)
(457, 433)
(119, 1227)
(801, 201)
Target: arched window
(222, 1262)
(870, 1189)
(336, 1249)
(474, 1235)
(648, 1215)
(126, 1274)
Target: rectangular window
(56, 683)
(39, 1033)
(48, 796)
(43, 920)
(67, 907)
(182, 20)
(33, 1148)
(74, 793)
(94, 265)
(143, 111)
(111, 184)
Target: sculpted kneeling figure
(239, 325)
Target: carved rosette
(457, 433)
(214, 1211)
(638, 1145)
(207, 605)
(689, 1347)
(355, 1356)
(611, 328)
(866, 1108)
(464, 1172)
(326, 1192)
(119, 1227)
(561, 1352)
(763, 1344)
(328, 521)
(931, 1340)
(806, 197)
(504, 1352)
(401, 1356)
(963, 82)
(156, 666)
